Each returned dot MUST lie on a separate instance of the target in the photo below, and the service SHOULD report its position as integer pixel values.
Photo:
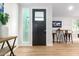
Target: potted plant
(4, 18)
(3, 21)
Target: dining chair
(60, 35)
(68, 36)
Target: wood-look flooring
(55, 50)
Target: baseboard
(49, 44)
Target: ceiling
(61, 9)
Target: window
(39, 16)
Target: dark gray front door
(39, 27)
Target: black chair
(68, 36)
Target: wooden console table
(9, 48)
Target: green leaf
(4, 18)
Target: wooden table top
(2, 39)
(63, 31)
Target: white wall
(48, 8)
(12, 10)
(67, 23)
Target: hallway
(56, 50)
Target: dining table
(66, 35)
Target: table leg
(10, 48)
(53, 38)
(13, 45)
(71, 38)
(57, 38)
(66, 37)
(2, 45)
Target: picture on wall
(1, 7)
(56, 23)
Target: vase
(3, 30)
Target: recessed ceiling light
(70, 8)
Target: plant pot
(3, 31)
